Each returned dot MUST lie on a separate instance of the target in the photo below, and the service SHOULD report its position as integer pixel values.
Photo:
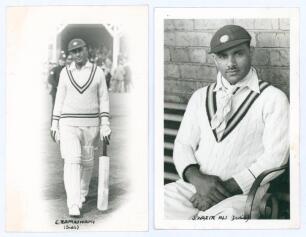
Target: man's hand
(201, 202)
(105, 133)
(209, 187)
(54, 132)
(232, 186)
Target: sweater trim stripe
(211, 107)
(104, 114)
(82, 89)
(238, 115)
(92, 115)
(242, 110)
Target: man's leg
(72, 184)
(89, 138)
(71, 152)
(177, 205)
(86, 170)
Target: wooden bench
(173, 114)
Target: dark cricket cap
(227, 37)
(75, 44)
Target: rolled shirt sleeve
(275, 141)
(188, 136)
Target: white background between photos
(152, 4)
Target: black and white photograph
(77, 158)
(226, 118)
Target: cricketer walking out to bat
(80, 114)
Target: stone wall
(188, 66)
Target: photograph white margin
(210, 13)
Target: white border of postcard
(217, 13)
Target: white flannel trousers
(77, 150)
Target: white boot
(74, 211)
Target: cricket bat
(103, 181)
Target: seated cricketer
(232, 130)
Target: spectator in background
(118, 76)
(54, 75)
(127, 76)
(107, 68)
(69, 60)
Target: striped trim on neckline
(83, 88)
(238, 115)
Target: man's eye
(221, 56)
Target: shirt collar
(72, 66)
(250, 81)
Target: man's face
(61, 62)
(234, 63)
(80, 55)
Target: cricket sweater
(82, 97)
(256, 137)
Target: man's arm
(188, 136)
(105, 130)
(57, 110)
(275, 140)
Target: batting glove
(105, 133)
(54, 130)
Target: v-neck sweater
(259, 141)
(82, 97)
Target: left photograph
(77, 123)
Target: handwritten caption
(220, 218)
(72, 224)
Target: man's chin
(233, 79)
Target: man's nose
(231, 61)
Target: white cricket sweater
(82, 97)
(259, 141)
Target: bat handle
(104, 145)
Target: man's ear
(214, 56)
(252, 49)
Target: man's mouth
(235, 71)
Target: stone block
(192, 38)
(266, 24)
(180, 55)
(189, 71)
(169, 38)
(278, 77)
(167, 57)
(183, 24)
(261, 57)
(197, 55)
(284, 24)
(245, 23)
(180, 86)
(174, 98)
(273, 39)
(168, 24)
(171, 70)
(206, 74)
(283, 39)
(280, 57)
(211, 24)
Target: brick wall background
(188, 66)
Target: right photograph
(227, 111)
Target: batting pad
(102, 203)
